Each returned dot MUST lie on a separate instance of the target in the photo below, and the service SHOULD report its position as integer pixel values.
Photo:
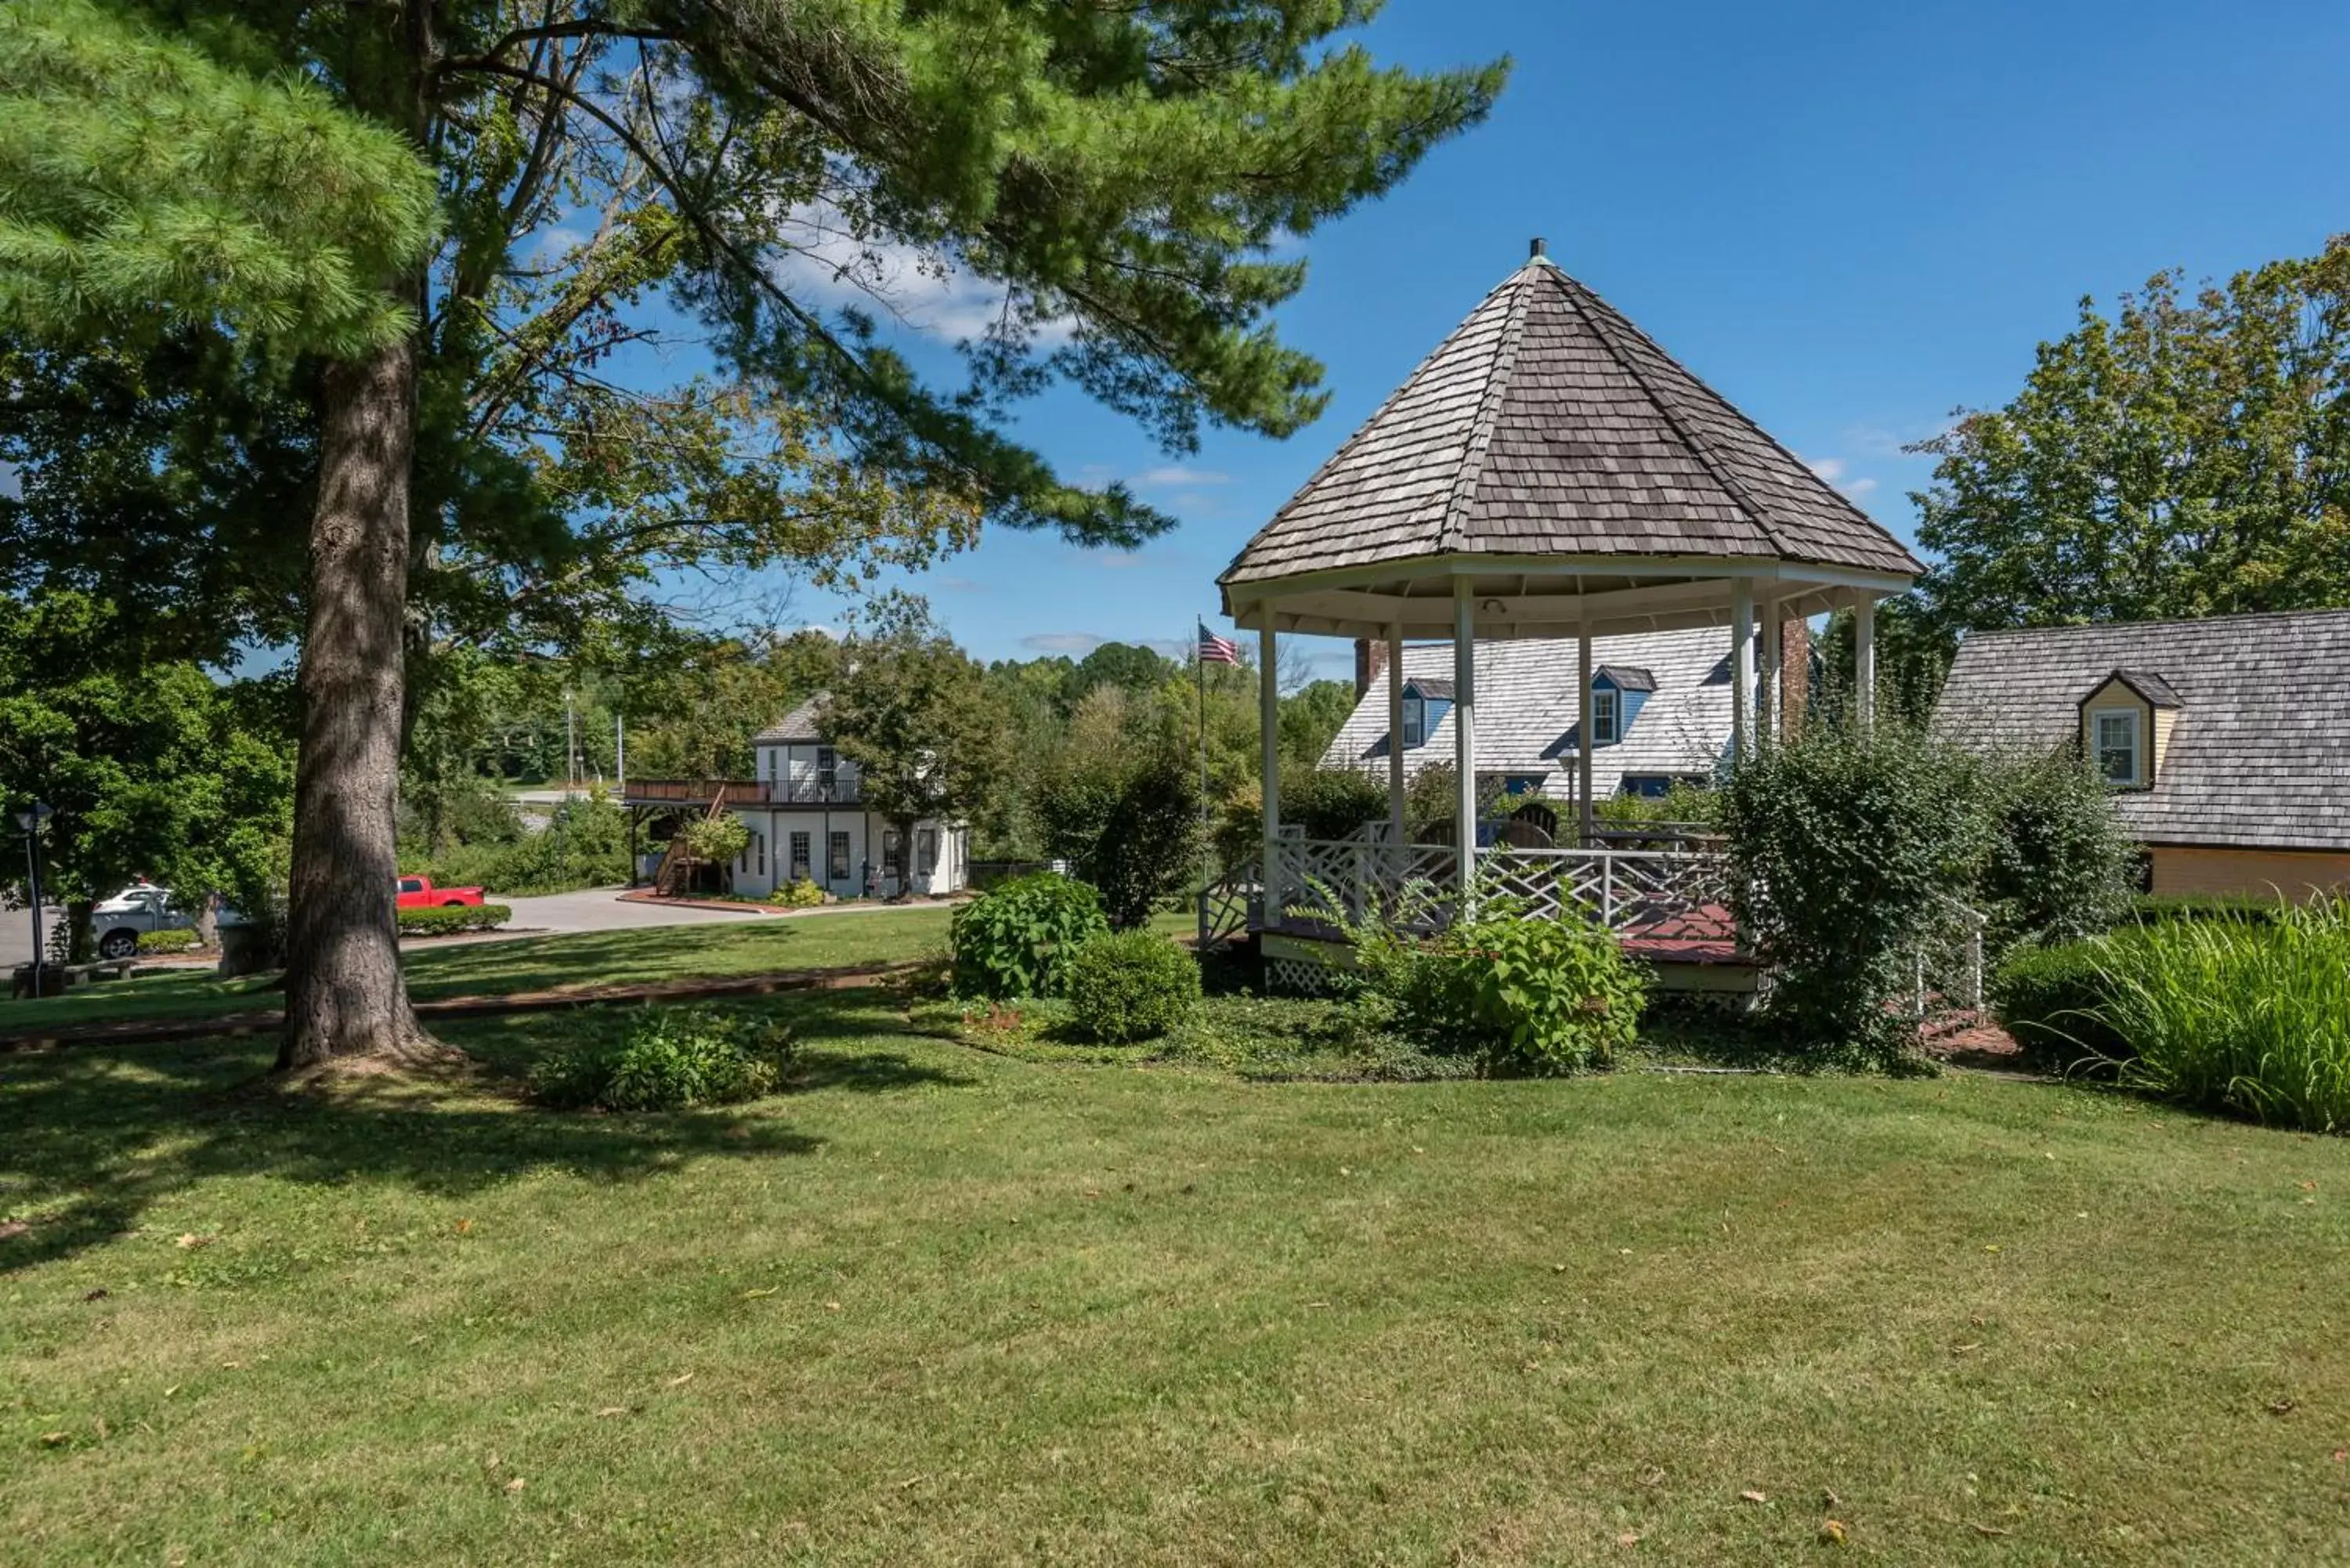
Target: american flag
(1214, 649)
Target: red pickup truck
(418, 893)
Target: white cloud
(1834, 470)
(921, 289)
(1062, 642)
(1172, 475)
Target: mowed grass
(756, 944)
(939, 1306)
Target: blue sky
(1849, 218)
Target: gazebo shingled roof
(1548, 436)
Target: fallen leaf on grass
(761, 1294)
(174, 1389)
(832, 1306)
(1629, 1538)
(2340, 1455)
(53, 1440)
(678, 1381)
(515, 1485)
(1828, 1499)
(2280, 1407)
(189, 1240)
(1990, 1530)
(464, 1227)
(1753, 1497)
(1831, 1531)
(1656, 1475)
(611, 1410)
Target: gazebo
(1547, 472)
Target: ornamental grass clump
(2244, 1013)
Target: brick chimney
(1370, 663)
(1795, 673)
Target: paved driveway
(16, 936)
(602, 909)
(597, 910)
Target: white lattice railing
(1674, 893)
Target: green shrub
(670, 1058)
(1518, 993)
(1131, 986)
(2051, 1000)
(1332, 803)
(800, 894)
(2056, 863)
(1018, 939)
(2147, 908)
(1126, 821)
(1844, 850)
(450, 919)
(2251, 1013)
(171, 941)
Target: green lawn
(753, 945)
(936, 1305)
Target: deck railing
(1682, 894)
(743, 792)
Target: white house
(809, 820)
(1661, 711)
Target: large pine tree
(1116, 175)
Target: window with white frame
(1415, 719)
(1606, 715)
(828, 769)
(2117, 730)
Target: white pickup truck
(118, 923)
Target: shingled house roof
(1548, 424)
(1527, 709)
(2260, 753)
(799, 724)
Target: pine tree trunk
(344, 995)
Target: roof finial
(1539, 249)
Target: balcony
(742, 792)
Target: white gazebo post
(1464, 733)
(1268, 711)
(1582, 807)
(1864, 662)
(1395, 732)
(1742, 669)
(1768, 675)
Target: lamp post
(30, 820)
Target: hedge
(449, 920)
(178, 940)
(2052, 1000)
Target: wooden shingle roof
(1547, 424)
(2260, 757)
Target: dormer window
(2127, 723)
(1617, 690)
(2118, 743)
(1606, 715)
(1414, 721)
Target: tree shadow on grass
(90, 1139)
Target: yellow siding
(2259, 873)
(2165, 720)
